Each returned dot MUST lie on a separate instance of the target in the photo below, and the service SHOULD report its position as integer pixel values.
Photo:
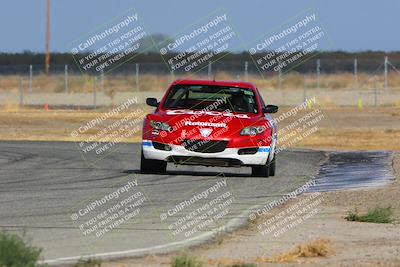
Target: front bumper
(229, 157)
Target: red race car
(210, 123)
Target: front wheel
(260, 171)
(272, 167)
(152, 166)
(264, 170)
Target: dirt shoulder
(350, 243)
(343, 128)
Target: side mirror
(152, 102)
(270, 109)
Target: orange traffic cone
(46, 107)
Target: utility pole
(66, 89)
(102, 80)
(318, 72)
(246, 72)
(279, 75)
(47, 44)
(21, 92)
(355, 72)
(375, 92)
(137, 77)
(305, 88)
(94, 94)
(30, 78)
(386, 73)
(172, 75)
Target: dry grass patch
(53, 125)
(227, 262)
(315, 248)
(353, 139)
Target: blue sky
(351, 25)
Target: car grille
(204, 146)
(222, 162)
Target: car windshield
(205, 97)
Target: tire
(272, 167)
(152, 166)
(260, 171)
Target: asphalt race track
(43, 185)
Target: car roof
(215, 83)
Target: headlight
(160, 126)
(252, 131)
